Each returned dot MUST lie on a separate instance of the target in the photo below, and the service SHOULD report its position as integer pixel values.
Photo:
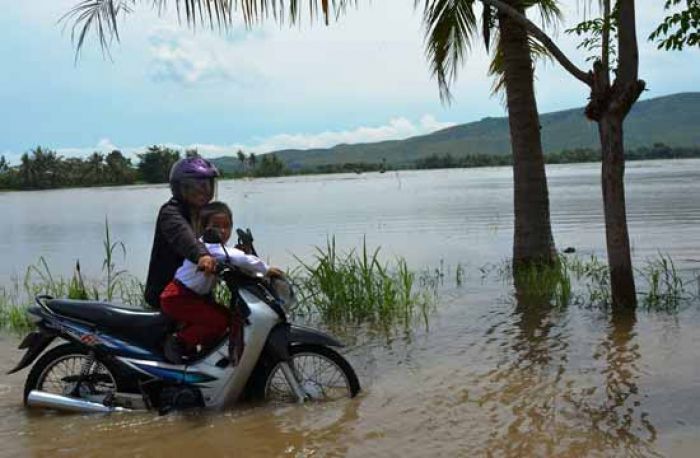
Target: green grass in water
(586, 282)
(359, 288)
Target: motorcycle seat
(142, 328)
(107, 315)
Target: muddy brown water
(486, 378)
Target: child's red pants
(204, 321)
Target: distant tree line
(42, 168)
(567, 156)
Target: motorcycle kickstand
(293, 382)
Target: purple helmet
(192, 167)
(189, 170)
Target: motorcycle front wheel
(323, 374)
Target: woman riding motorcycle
(192, 182)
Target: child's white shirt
(202, 283)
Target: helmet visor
(197, 190)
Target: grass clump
(116, 285)
(543, 283)
(666, 288)
(358, 288)
(13, 315)
(586, 282)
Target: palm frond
(550, 13)
(451, 26)
(101, 17)
(488, 22)
(538, 52)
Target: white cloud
(105, 145)
(181, 57)
(396, 129)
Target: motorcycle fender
(278, 342)
(35, 342)
(304, 335)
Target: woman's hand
(274, 272)
(207, 264)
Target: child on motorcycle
(188, 300)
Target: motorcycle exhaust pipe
(38, 398)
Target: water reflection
(618, 419)
(539, 403)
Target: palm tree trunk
(617, 237)
(533, 241)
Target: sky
(363, 78)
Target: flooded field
(487, 377)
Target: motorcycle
(112, 358)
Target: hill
(672, 120)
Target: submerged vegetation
(358, 287)
(585, 282)
(352, 288)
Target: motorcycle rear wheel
(324, 375)
(58, 370)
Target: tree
(119, 169)
(610, 102)
(94, 171)
(251, 160)
(154, 165)
(451, 26)
(7, 175)
(241, 158)
(40, 169)
(270, 166)
(682, 28)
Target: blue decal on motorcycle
(175, 374)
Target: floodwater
(486, 378)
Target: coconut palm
(451, 28)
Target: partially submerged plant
(666, 288)
(586, 282)
(543, 283)
(358, 288)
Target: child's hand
(207, 264)
(273, 272)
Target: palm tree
(252, 159)
(241, 158)
(451, 27)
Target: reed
(358, 287)
(115, 284)
(666, 289)
(536, 283)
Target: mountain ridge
(671, 119)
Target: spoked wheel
(59, 371)
(324, 375)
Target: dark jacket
(174, 241)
